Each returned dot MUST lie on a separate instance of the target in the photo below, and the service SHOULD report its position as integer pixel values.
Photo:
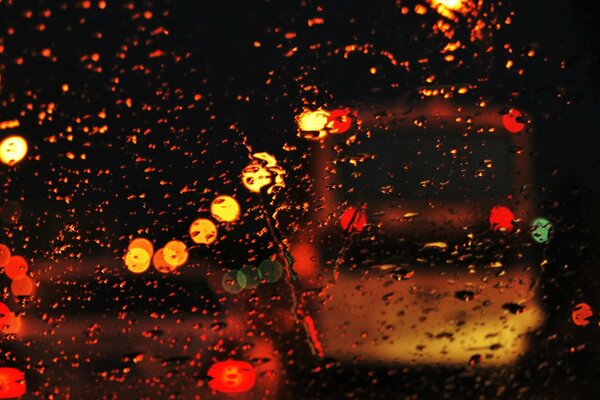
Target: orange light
(231, 376)
(142, 243)
(23, 286)
(4, 255)
(13, 149)
(16, 267)
(160, 263)
(175, 253)
(315, 125)
(203, 231)
(10, 324)
(263, 172)
(225, 208)
(137, 260)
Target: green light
(250, 276)
(233, 282)
(542, 230)
(269, 270)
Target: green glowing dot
(250, 275)
(233, 282)
(541, 230)
(270, 270)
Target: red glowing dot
(353, 220)
(338, 121)
(232, 376)
(511, 121)
(501, 218)
(581, 314)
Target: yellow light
(12, 150)
(262, 172)
(142, 243)
(175, 253)
(451, 4)
(310, 122)
(225, 208)
(203, 231)
(137, 260)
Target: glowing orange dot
(225, 208)
(232, 376)
(137, 260)
(581, 314)
(161, 264)
(11, 324)
(501, 218)
(16, 267)
(142, 243)
(175, 253)
(13, 149)
(511, 121)
(353, 220)
(4, 255)
(23, 286)
(203, 231)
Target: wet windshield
(298, 199)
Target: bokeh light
(225, 209)
(233, 282)
(175, 253)
(231, 376)
(312, 124)
(137, 260)
(581, 314)
(541, 230)
(270, 270)
(501, 218)
(203, 231)
(16, 267)
(12, 383)
(249, 276)
(13, 149)
(161, 264)
(262, 172)
(4, 255)
(511, 121)
(23, 286)
(142, 243)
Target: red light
(232, 376)
(338, 121)
(353, 220)
(511, 121)
(12, 383)
(501, 218)
(581, 314)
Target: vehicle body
(428, 280)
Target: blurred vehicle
(420, 250)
